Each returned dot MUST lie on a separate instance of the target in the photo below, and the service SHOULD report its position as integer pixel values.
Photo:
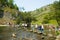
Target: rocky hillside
(7, 11)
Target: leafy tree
(10, 3)
(26, 17)
(3, 3)
(54, 13)
(56, 6)
(18, 20)
(29, 18)
(15, 7)
(46, 19)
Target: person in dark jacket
(41, 28)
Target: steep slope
(41, 13)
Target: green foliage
(47, 13)
(45, 21)
(15, 7)
(10, 3)
(57, 33)
(18, 20)
(54, 22)
(56, 6)
(42, 15)
(3, 2)
(26, 17)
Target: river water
(21, 34)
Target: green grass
(54, 22)
(41, 18)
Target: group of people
(38, 27)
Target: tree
(26, 17)
(3, 3)
(54, 14)
(56, 6)
(15, 7)
(29, 18)
(46, 19)
(10, 3)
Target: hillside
(40, 14)
(7, 11)
(49, 14)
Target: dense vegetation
(11, 13)
(48, 14)
(45, 15)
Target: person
(36, 26)
(41, 28)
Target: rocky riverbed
(22, 34)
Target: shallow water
(20, 34)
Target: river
(21, 34)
